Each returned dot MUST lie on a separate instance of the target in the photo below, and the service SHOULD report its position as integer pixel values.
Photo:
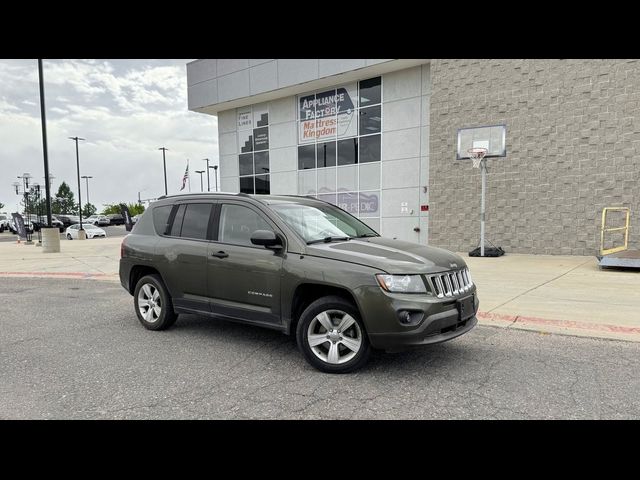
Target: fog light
(405, 316)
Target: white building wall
(404, 161)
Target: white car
(91, 231)
(98, 220)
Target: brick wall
(573, 147)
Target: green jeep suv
(298, 265)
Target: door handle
(220, 254)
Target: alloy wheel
(149, 303)
(334, 336)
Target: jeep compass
(298, 265)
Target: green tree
(88, 209)
(64, 201)
(134, 208)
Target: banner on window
(325, 115)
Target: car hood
(389, 255)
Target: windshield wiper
(367, 235)
(327, 240)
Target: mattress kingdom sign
(325, 115)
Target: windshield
(321, 222)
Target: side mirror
(266, 238)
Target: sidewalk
(546, 293)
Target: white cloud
(125, 110)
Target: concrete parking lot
(79, 352)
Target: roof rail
(202, 193)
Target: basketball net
(477, 154)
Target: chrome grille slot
(451, 283)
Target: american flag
(185, 177)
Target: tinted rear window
(161, 219)
(196, 220)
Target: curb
(516, 321)
(59, 274)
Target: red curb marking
(53, 274)
(599, 327)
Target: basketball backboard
(491, 137)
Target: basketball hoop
(477, 154)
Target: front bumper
(440, 320)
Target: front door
(243, 279)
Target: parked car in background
(115, 219)
(91, 230)
(39, 222)
(27, 224)
(98, 220)
(66, 220)
(4, 221)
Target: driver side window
(237, 223)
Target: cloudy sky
(125, 109)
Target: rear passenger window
(177, 221)
(196, 221)
(161, 219)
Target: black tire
(326, 304)
(167, 316)
(69, 237)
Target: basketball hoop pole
(483, 170)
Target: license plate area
(466, 307)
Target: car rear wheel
(69, 237)
(153, 304)
(332, 337)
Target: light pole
(208, 167)
(215, 169)
(200, 172)
(164, 164)
(86, 177)
(81, 234)
(44, 145)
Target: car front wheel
(332, 337)
(69, 237)
(153, 304)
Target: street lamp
(87, 177)
(208, 167)
(215, 169)
(200, 172)
(164, 164)
(81, 233)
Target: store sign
(325, 115)
(369, 204)
(261, 139)
(244, 120)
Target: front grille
(449, 284)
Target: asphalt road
(81, 353)
(112, 231)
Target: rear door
(243, 279)
(182, 255)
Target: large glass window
(196, 221)
(253, 149)
(339, 134)
(237, 223)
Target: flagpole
(188, 176)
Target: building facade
(378, 138)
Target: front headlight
(401, 283)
